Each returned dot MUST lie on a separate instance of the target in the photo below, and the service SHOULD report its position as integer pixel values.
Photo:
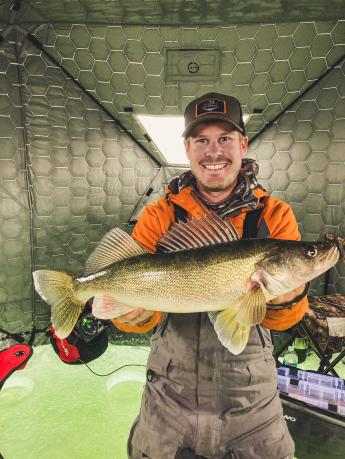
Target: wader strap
(250, 231)
(260, 335)
(180, 213)
(165, 324)
(250, 225)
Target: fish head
(290, 264)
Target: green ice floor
(51, 410)
(312, 363)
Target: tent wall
(16, 295)
(302, 161)
(68, 173)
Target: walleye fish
(201, 266)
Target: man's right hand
(137, 317)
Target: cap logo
(210, 106)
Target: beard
(217, 183)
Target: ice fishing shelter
(75, 161)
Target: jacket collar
(188, 201)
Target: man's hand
(136, 317)
(287, 297)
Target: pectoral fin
(231, 333)
(106, 307)
(232, 325)
(252, 309)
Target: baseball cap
(213, 106)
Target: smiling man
(215, 146)
(201, 401)
(215, 154)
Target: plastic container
(323, 380)
(302, 375)
(341, 397)
(283, 371)
(283, 383)
(291, 358)
(312, 401)
(329, 395)
(315, 391)
(341, 410)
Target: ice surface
(51, 410)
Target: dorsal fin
(195, 233)
(116, 245)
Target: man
(201, 401)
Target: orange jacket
(158, 216)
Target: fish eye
(312, 251)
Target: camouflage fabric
(242, 196)
(321, 307)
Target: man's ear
(186, 147)
(244, 146)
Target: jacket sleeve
(144, 328)
(282, 225)
(151, 225)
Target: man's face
(215, 156)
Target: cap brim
(210, 118)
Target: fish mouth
(332, 256)
(339, 243)
(327, 261)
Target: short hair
(193, 132)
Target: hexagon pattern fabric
(69, 173)
(171, 12)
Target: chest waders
(200, 401)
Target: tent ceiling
(169, 12)
(267, 66)
(263, 61)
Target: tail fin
(57, 289)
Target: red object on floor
(12, 359)
(67, 351)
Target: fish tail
(58, 290)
